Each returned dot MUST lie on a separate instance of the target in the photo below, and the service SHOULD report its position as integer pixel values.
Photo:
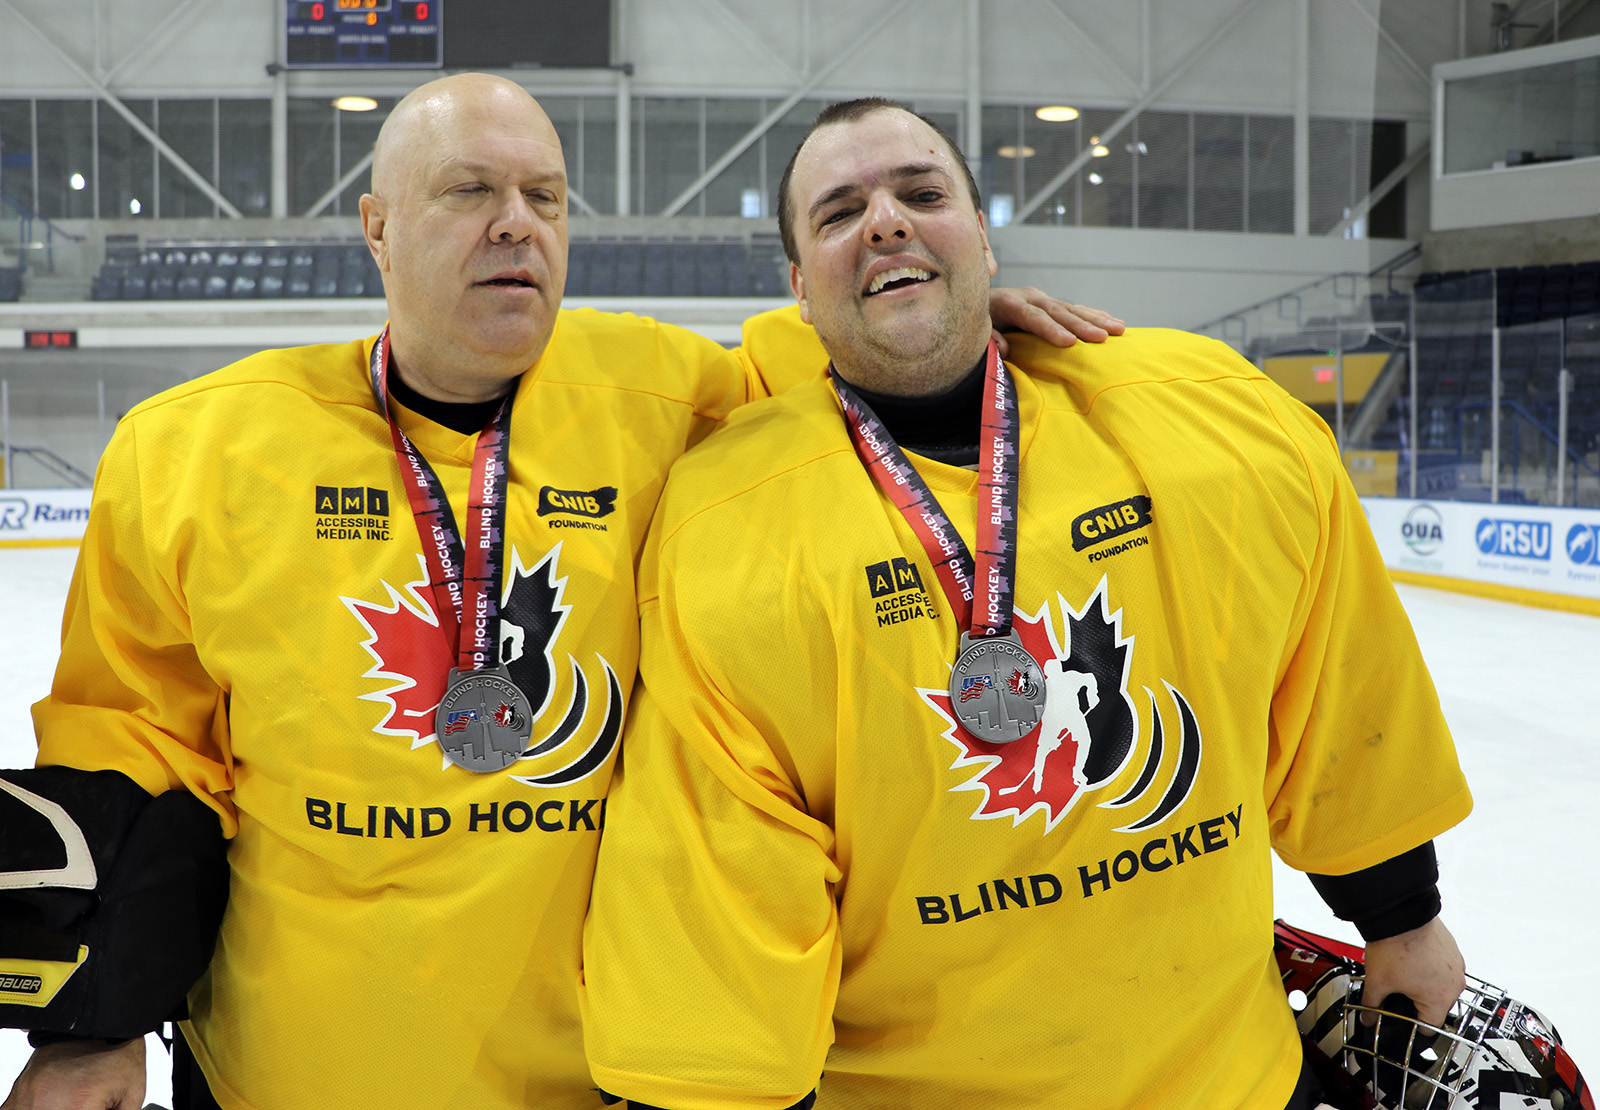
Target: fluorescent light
(1095, 179)
(134, 207)
(355, 103)
(77, 181)
(1056, 113)
(1016, 152)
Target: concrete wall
(1174, 278)
(1516, 195)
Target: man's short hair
(848, 111)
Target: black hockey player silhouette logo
(1089, 734)
(407, 646)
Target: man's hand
(1424, 965)
(1058, 322)
(81, 1075)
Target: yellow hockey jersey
(810, 867)
(249, 621)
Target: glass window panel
(189, 128)
(311, 147)
(1054, 145)
(1545, 113)
(1271, 173)
(783, 139)
(1163, 169)
(357, 132)
(66, 158)
(245, 136)
(16, 157)
(1340, 157)
(1107, 181)
(1004, 152)
(599, 156)
(727, 121)
(1218, 172)
(669, 157)
(127, 163)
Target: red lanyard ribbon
(461, 581)
(992, 578)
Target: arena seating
(189, 271)
(616, 267)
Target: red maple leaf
(1011, 778)
(407, 648)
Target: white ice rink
(1521, 877)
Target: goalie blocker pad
(110, 901)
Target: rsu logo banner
(1519, 539)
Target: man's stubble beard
(944, 352)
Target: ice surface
(1520, 878)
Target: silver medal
(483, 722)
(996, 688)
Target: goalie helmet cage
(1488, 1046)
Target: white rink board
(42, 515)
(1528, 547)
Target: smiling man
(955, 785)
(373, 605)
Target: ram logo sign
(1518, 539)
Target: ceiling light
(1056, 113)
(1016, 152)
(134, 207)
(355, 103)
(77, 181)
(1100, 150)
(1095, 179)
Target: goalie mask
(1491, 1046)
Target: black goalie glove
(110, 902)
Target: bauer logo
(1423, 529)
(1518, 539)
(21, 984)
(1110, 521)
(1583, 544)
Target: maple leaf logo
(412, 655)
(1087, 735)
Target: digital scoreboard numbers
(362, 34)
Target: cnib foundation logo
(411, 655)
(1090, 731)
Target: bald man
(373, 604)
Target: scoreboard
(361, 34)
(484, 34)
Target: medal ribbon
(465, 584)
(992, 579)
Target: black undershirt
(945, 427)
(466, 417)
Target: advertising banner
(42, 516)
(1526, 547)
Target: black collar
(466, 417)
(945, 427)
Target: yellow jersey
(811, 868)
